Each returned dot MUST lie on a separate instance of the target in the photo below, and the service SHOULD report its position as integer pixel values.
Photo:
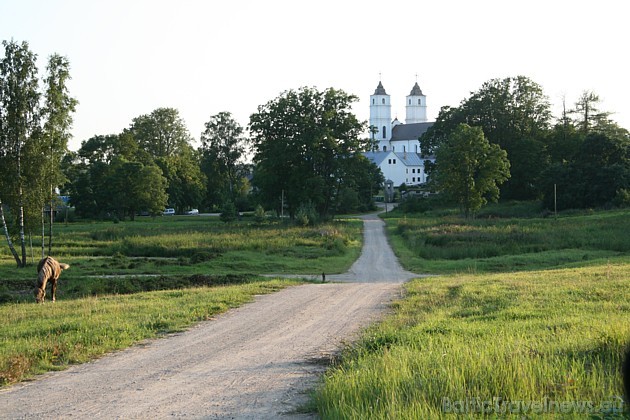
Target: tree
(470, 169)
(164, 136)
(588, 114)
(57, 113)
(598, 176)
(513, 113)
(112, 175)
(303, 141)
(223, 147)
(162, 133)
(19, 116)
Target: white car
(192, 212)
(168, 212)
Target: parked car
(192, 212)
(168, 212)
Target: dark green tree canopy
(470, 169)
(513, 113)
(223, 146)
(302, 142)
(162, 133)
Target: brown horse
(48, 270)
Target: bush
(228, 212)
(306, 215)
(259, 215)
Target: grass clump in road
(38, 338)
(540, 337)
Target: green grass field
(181, 251)
(531, 320)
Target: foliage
(514, 114)
(162, 133)
(306, 215)
(259, 215)
(229, 212)
(304, 142)
(470, 169)
(110, 175)
(543, 337)
(598, 174)
(23, 170)
(222, 149)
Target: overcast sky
(203, 56)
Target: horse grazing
(48, 270)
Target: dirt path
(253, 362)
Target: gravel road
(254, 362)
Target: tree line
(503, 141)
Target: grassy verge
(39, 338)
(543, 338)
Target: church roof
(380, 90)
(410, 159)
(377, 157)
(410, 131)
(416, 91)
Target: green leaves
(471, 169)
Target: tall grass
(544, 338)
(450, 244)
(39, 338)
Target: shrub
(228, 212)
(306, 215)
(259, 215)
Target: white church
(397, 145)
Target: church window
(384, 148)
(389, 161)
(409, 101)
(416, 148)
(404, 149)
(372, 101)
(383, 101)
(413, 179)
(413, 170)
(384, 132)
(419, 101)
(394, 161)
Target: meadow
(131, 281)
(181, 251)
(528, 317)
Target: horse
(48, 270)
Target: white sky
(129, 57)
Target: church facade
(396, 145)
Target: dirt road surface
(254, 362)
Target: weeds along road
(254, 362)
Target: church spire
(380, 90)
(416, 91)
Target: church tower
(381, 115)
(416, 106)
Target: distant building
(397, 145)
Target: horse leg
(54, 288)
